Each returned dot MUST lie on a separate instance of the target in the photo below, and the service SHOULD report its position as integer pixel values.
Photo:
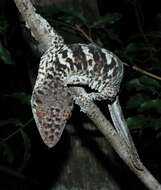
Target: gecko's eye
(89, 89)
(86, 87)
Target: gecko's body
(83, 64)
(75, 64)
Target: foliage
(144, 101)
(4, 53)
(8, 136)
(3, 25)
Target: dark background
(131, 29)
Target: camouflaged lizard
(75, 64)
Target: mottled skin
(63, 65)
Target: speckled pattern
(75, 64)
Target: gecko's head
(51, 111)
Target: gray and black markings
(73, 64)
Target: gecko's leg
(97, 96)
(80, 97)
(108, 93)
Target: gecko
(73, 64)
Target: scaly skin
(74, 64)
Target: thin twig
(16, 131)
(156, 77)
(83, 33)
(136, 68)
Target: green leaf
(134, 84)
(134, 47)
(135, 101)
(71, 15)
(5, 55)
(143, 84)
(149, 82)
(66, 15)
(106, 20)
(3, 24)
(135, 122)
(8, 153)
(151, 105)
(155, 123)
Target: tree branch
(105, 127)
(42, 32)
(40, 29)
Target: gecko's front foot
(81, 97)
(98, 96)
